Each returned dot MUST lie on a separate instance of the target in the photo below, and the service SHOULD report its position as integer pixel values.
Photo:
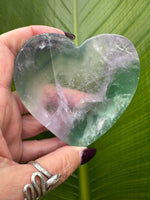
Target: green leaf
(121, 168)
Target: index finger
(10, 44)
(15, 39)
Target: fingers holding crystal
(62, 161)
(34, 149)
(70, 159)
(21, 35)
(31, 127)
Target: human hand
(53, 154)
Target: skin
(52, 154)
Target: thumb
(64, 161)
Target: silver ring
(37, 189)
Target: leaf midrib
(83, 175)
(83, 183)
(75, 29)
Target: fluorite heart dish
(78, 93)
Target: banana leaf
(121, 168)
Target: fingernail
(70, 35)
(87, 154)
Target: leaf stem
(75, 30)
(83, 178)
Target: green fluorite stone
(78, 93)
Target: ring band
(36, 189)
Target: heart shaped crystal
(78, 93)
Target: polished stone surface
(78, 93)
